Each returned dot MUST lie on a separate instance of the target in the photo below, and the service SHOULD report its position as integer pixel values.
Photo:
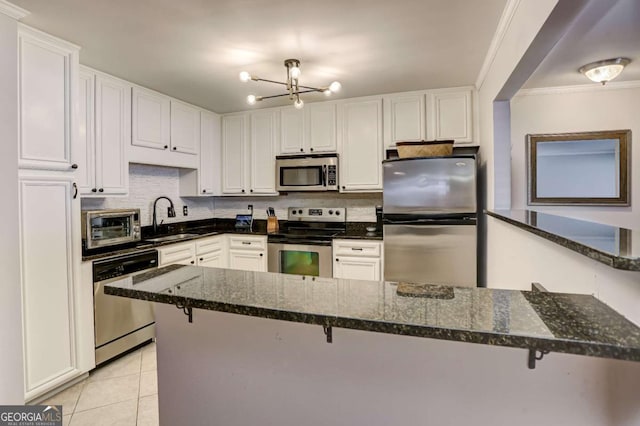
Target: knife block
(272, 225)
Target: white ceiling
(605, 29)
(194, 49)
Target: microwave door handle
(324, 175)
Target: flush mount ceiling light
(603, 71)
(293, 88)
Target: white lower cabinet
(54, 321)
(212, 252)
(358, 260)
(180, 254)
(248, 253)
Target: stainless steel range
(303, 245)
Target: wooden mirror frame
(624, 139)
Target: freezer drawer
(433, 254)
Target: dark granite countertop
(608, 244)
(210, 227)
(570, 323)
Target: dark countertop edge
(350, 235)
(622, 263)
(451, 334)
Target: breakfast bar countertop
(533, 320)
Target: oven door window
(109, 228)
(300, 262)
(301, 176)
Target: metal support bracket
(188, 311)
(328, 332)
(533, 357)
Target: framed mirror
(586, 168)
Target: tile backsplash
(146, 183)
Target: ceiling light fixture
(603, 71)
(293, 88)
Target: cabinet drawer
(356, 248)
(210, 244)
(176, 253)
(247, 243)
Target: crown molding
(581, 88)
(12, 10)
(503, 25)
(45, 37)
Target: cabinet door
(321, 134)
(357, 268)
(404, 118)
(84, 146)
(263, 152)
(234, 150)
(451, 116)
(291, 130)
(151, 114)
(185, 128)
(248, 260)
(181, 254)
(112, 135)
(47, 211)
(209, 173)
(47, 73)
(361, 159)
(214, 259)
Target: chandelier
(293, 87)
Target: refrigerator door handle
(460, 221)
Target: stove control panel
(318, 214)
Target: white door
(209, 174)
(84, 145)
(248, 260)
(47, 73)
(357, 268)
(46, 210)
(214, 259)
(451, 116)
(321, 127)
(291, 131)
(263, 152)
(361, 159)
(234, 150)
(404, 118)
(151, 115)
(185, 128)
(112, 135)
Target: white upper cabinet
(312, 129)
(234, 150)
(47, 76)
(291, 131)
(249, 143)
(264, 131)
(185, 128)
(151, 114)
(404, 118)
(320, 126)
(104, 132)
(361, 153)
(450, 113)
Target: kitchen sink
(175, 237)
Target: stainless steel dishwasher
(121, 323)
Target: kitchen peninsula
(302, 351)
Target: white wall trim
(503, 25)
(48, 38)
(12, 10)
(616, 85)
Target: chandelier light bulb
(244, 76)
(335, 87)
(294, 72)
(327, 92)
(298, 104)
(251, 99)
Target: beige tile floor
(123, 392)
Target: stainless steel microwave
(102, 228)
(307, 172)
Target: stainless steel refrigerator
(430, 220)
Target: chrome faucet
(171, 212)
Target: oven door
(300, 259)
